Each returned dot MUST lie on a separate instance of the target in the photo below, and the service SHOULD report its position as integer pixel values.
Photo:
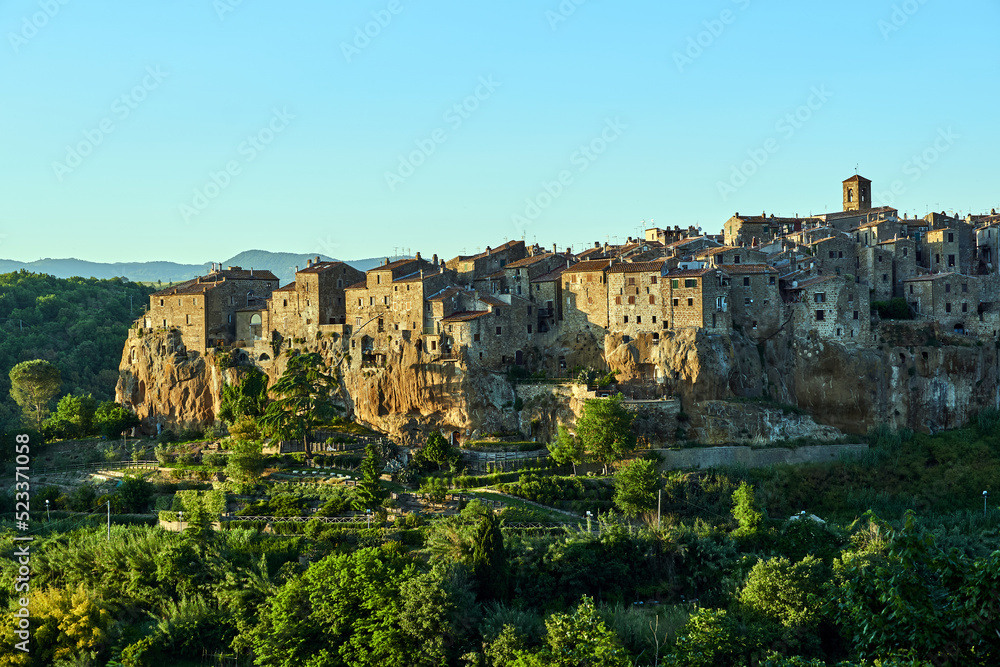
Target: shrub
(214, 459)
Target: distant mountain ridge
(282, 264)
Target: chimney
(317, 259)
(386, 262)
(569, 251)
(296, 269)
(434, 259)
(597, 244)
(309, 262)
(489, 251)
(554, 248)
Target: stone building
(472, 267)
(755, 298)
(835, 254)
(830, 307)
(204, 309)
(725, 255)
(546, 292)
(857, 193)
(585, 294)
(949, 249)
(885, 266)
(635, 297)
(948, 298)
(698, 298)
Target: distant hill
(282, 264)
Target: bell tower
(857, 194)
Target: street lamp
(368, 513)
(985, 495)
(47, 515)
(180, 519)
(589, 515)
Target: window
(770, 280)
(906, 251)
(179, 301)
(747, 301)
(631, 281)
(965, 287)
(819, 297)
(911, 289)
(885, 277)
(638, 319)
(529, 310)
(187, 319)
(529, 328)
(839, 332)
(284, 303)
(840, 255)
(654, 319)
(755, 324)
(652, 280)
(499, 331)
(164, 324)
(820, 315)
(378, 279)
(652, 300)
(937, 259)
(625, 320)
(691, 282)
(965, 307)
(618, 301)
(232, 300)
(855, 314)
(951, 237)
(230, 318)
(690, 301)
(631, 301)
(947, 288)
(371, 301)
(947, 307)
(677, 302)
(832, 254)
(736, 259)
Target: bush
(893, 309)
(187, 459)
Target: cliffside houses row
(814, 276)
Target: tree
(489, 559)
(32, 385)
(577, 639)
(605, 427)
(73, 418)
(370, 493)
(745, 511)
(635, 487)
(304, 399)
(245, 464)
(438, 450)
(246, 399)
(112, 419)
(567, 448)
(784, 592)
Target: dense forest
(79, 324)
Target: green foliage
(245, 464)
(576, 639)
(248, 398)
(745, 510)
(370, 492)
(304, 399)
(605, 427)
(79, 324)
(636, 484)
(894, 309)
(73, 418)
(32, 385)
(709, 639)
(434, 488)
(111, 419)
(567, 448)
(438, 450)
(489, 559)
(784, 592)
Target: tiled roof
(931, 276)
(528, 261)
(690, 273)
(392, 265)
(637, 267)
(711, 252)
(418, 276)
(465, 316)
(506, 246)
(551, 276)
(855, 214)
(445, 293)
(290, 287)
(589, 265)
(740, 269)
(204, 283)
(359, 285)
(492, 300)
(691, 239)
(856, 178)
(815, 281)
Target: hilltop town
(833, 278)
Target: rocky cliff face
(917, 379)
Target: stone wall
(715, 457)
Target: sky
(191, 130)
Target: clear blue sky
(670, 123)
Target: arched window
(850, 194)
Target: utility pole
(109, 521)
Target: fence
(318, 443)
(102, 465)
(502, 461)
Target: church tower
(857, 194)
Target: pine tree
(489, 559)
(370, 493)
